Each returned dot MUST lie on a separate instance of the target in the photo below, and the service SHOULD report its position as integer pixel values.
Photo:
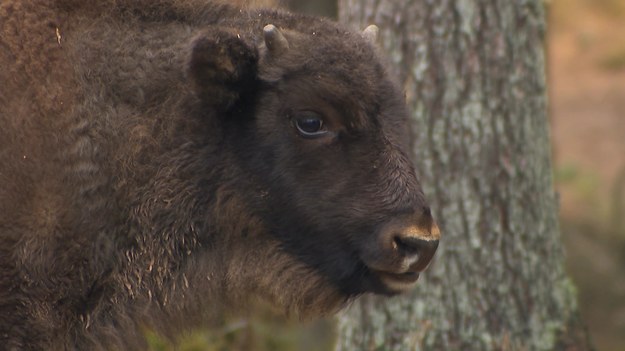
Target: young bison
(162, 161)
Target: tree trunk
(474, 76)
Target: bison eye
(309, 124)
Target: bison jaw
(263, 270)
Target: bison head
(321, 132)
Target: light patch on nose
(418, 232)
(435, 232)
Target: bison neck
(219, 248)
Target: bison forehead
(315, 44)
(345, 55)
(338, 66)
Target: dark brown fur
(150, 177)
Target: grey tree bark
(474, 76)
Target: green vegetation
(264, 332)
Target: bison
(164, 161)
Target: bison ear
(222, 67)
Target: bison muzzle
(164, 161)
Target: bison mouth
(395, 283)
(369, 280)
(389, 283)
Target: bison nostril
(406, 244)
(419, 251)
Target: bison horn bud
(371, 33)
(275, 42)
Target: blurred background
(586, 73)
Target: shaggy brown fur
(152, 175)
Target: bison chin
(264, 271)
